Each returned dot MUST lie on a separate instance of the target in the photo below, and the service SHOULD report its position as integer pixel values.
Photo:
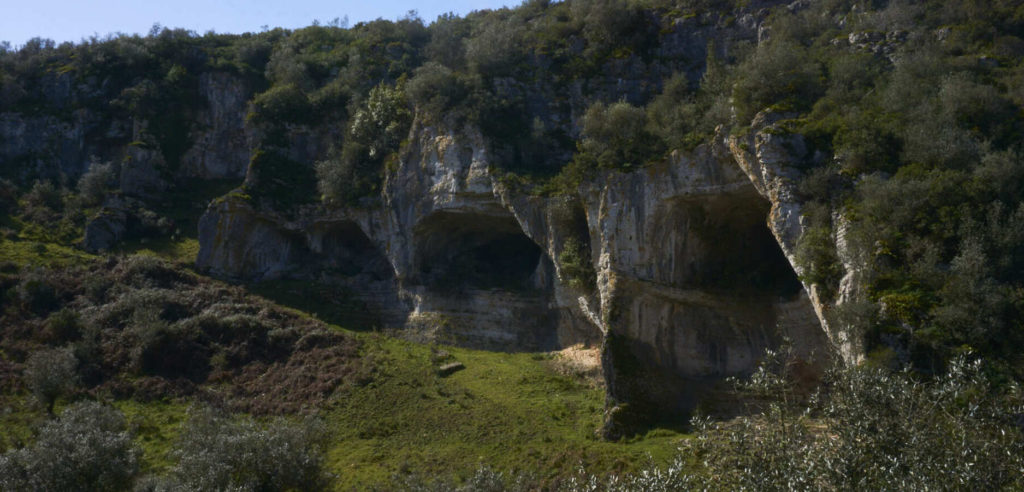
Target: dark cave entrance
(731, 250)
(458, 251)
(343, 248)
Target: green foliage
(376, 131)
(615, 137)
(215, 452)
(817, 259)
(881, 430)
(87, 448)
(609, 24)
(777, 73)
(494, 49)
(677, 115)
(281, 103)
(98, 181)
(383, 122)
(574, 261)
(435, 90)
(869, 430)
(50, 374)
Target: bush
(435, 90)
(36, 292)
(615, 137)
(49, 374)
(376, 132)
(575, 265)
(97, 182)
(383, 121)
(494, 49)
(869, 430)
(43, 201)
(64, 326)
(281, 103)
(777, 73)
(816, 256)
(87, 448)
(217, 453)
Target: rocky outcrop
(141, 172)
(690, 284)
(221, 141)
(45, 145)
(105, 230)
(768, 155)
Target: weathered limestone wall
(691, 284)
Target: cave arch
(460, 251)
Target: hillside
(757, 212)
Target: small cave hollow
(732, 250)
(459, 251)
(342, 248)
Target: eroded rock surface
(692, 277)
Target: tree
(217, 453)
(49, 374)
(87, 448)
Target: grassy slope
(513, 412)
(508, 411)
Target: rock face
(767, 155)
(690, 283)
(104, 230)
(221, 141)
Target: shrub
(376, 131)
(64, 326)
(607, 24)
(99, 180)
(816, 256)
(868, 430)
(37, 293)
(575, 262)
(448, 41)
(435, 89)
(615, 137)
(281, 103)
(383, 121)
(217, 453)
(777, 73)
(87, 448)
(494, 48)
(43, 201)
(49, 374)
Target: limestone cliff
(692, 261)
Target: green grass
(25, 252)
(156, 426)
(182, 250)
(19, 416)
(512, 412)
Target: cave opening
(343, 248)
(460, 251)
(732, 251)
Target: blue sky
(73, 20)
